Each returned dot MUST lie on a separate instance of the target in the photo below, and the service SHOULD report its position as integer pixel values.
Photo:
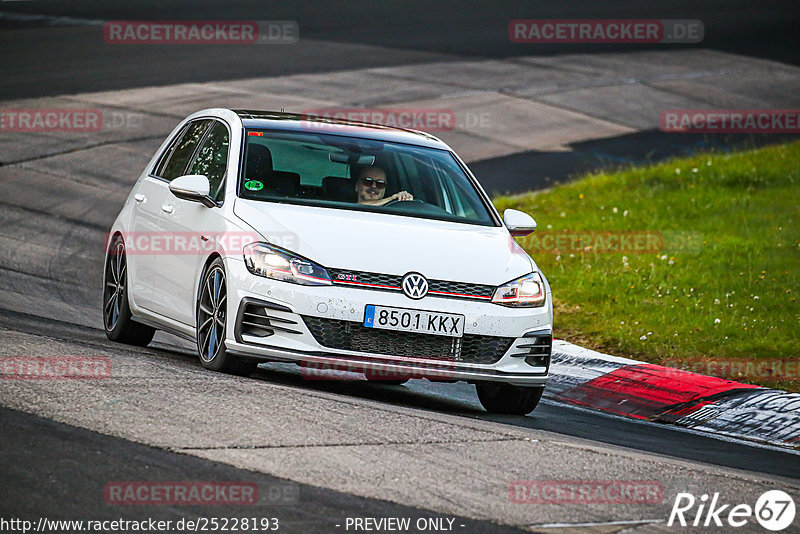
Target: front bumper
(287, 336)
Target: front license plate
(424, 322)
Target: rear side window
(212, 159)
(158, 170)
(180, 152)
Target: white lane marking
(50, 20)
(570, 349)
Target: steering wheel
(397, 200)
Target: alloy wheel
(211, 314)
(115, 286)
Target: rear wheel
(117, 320)
(212, 305)
(497, 397)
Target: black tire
(117, 320)
(210, 328)
(497, 397)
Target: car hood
(389, 244)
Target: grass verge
(691, 263)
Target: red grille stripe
(365, 284)
(460, 295)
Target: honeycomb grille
(350, 335)
(472, 290)
(393, 283)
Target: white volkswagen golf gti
(265, 236)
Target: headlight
(524, 292)
(267, 260)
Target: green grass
(724, 287)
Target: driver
(371, 187)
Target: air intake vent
(536, 348)
(255, 321)
(258, 318)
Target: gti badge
(415, 286)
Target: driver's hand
(403, 195)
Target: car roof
(295, 122)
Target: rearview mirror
(194, 187)
(353, 158)
(519, 223)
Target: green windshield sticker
(253, 185)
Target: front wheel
(506, 399)
(212, 305)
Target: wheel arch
(107, 249)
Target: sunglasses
(372, 182)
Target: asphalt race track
(356, 34)
(323, 452)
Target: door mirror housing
(519, 223)
(194, 187)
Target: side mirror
(519, 223)
(194, 187)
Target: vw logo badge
(415, 286)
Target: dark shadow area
(655, 438)
(360, 387)
(61, 475)
(404, 33)
(535, 169)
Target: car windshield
(359, 174)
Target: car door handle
(138, 197)
(166, 208)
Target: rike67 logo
(774, 510)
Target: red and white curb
(650, 392)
